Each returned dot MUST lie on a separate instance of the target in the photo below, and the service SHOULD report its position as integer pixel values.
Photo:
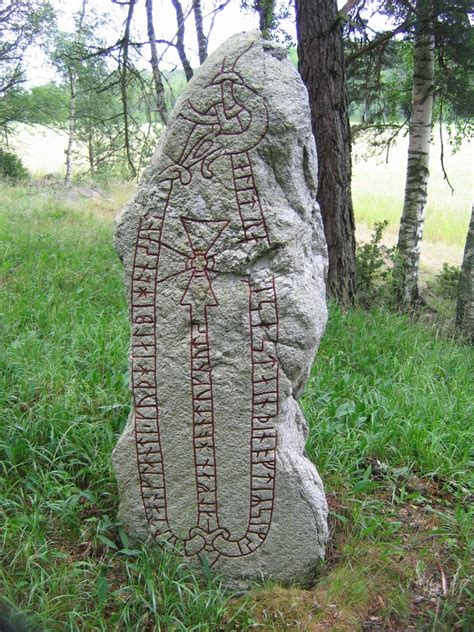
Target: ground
(388, 405)
(390, 408)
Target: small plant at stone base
(396, 279)
(372, 269)
(11, 166)
(445, 284)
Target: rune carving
(228, 127)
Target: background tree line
(112, 97)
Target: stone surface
(225, 261)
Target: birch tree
(465, 303)
(66, 58)
(201, 37)
(419, 140)
(395, 74)
(157, 77)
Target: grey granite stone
(225, 263)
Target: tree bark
(123, 87)
(321, 65)
(159, 88)
(201, 38)
(72, 126)
(72, 104)
(265, 10)
(465, 304)
(419, 141)
(188, 71)
(90, 153)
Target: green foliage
(11, 166)
(455, 60)
(379, 89)
(379, 78)
(446, 283)
(380, 271)
(384, 387)
(42, 105)
(293, 56)
(22, 23)
(98, 93)
(272, 16)
(371, 265)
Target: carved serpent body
(232, 122)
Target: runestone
(225, 262)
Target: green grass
(383, 388)
(389, 406)
(378, 190)
(441, 225)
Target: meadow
(389, 405)
(378, 186)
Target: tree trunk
(123, 65)
(321, 64)
(465, 306)
(72, 103)
(90, 153)
(201, 38)
(188, 71)
(71, 127)
(265, 10)
(159, 88)
(419, 140)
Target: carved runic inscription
(227, 129)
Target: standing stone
(225, 262)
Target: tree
(157, 77)
(419, 141)
(45, 105)
(266, 14)
(322, 67)
(123, 73)
(465, 303)
(21, 23)
(272, 16)
(66, 58)
(109, 100)
(428, 52)
(201, 38)
(180, 47)
(380, 65)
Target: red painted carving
(227, 127)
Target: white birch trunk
(72, 126)
(201, 38)
(465, 305)
(73, 79)
(159, 88)
(411, 223)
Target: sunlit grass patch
(378, 187)
(444, 226)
